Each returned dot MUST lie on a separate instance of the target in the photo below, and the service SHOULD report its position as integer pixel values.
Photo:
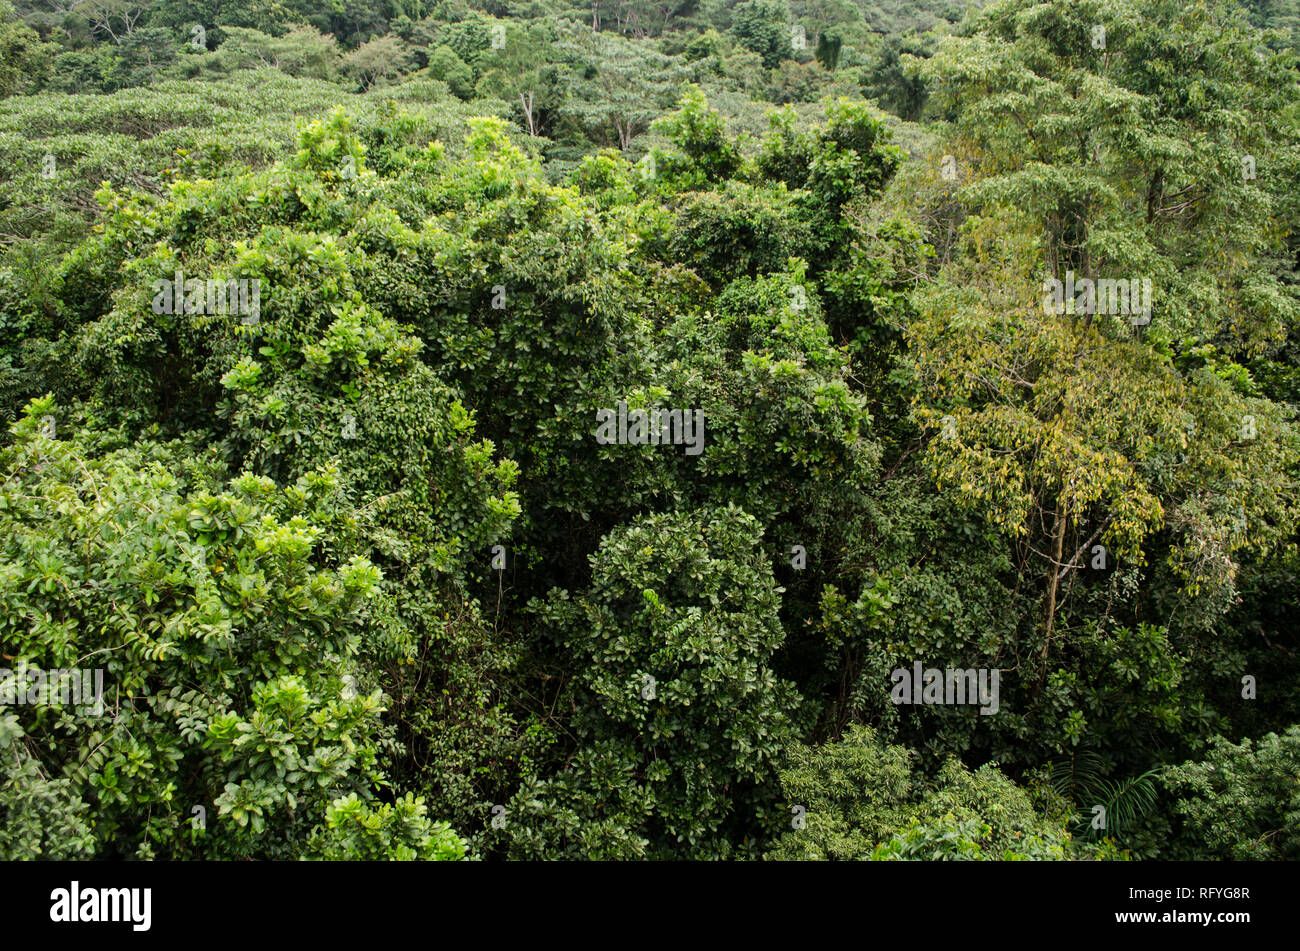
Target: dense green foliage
(364, 580)
(864, 802)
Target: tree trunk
(528, 112)
(1053, 587)
(1153, 193)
